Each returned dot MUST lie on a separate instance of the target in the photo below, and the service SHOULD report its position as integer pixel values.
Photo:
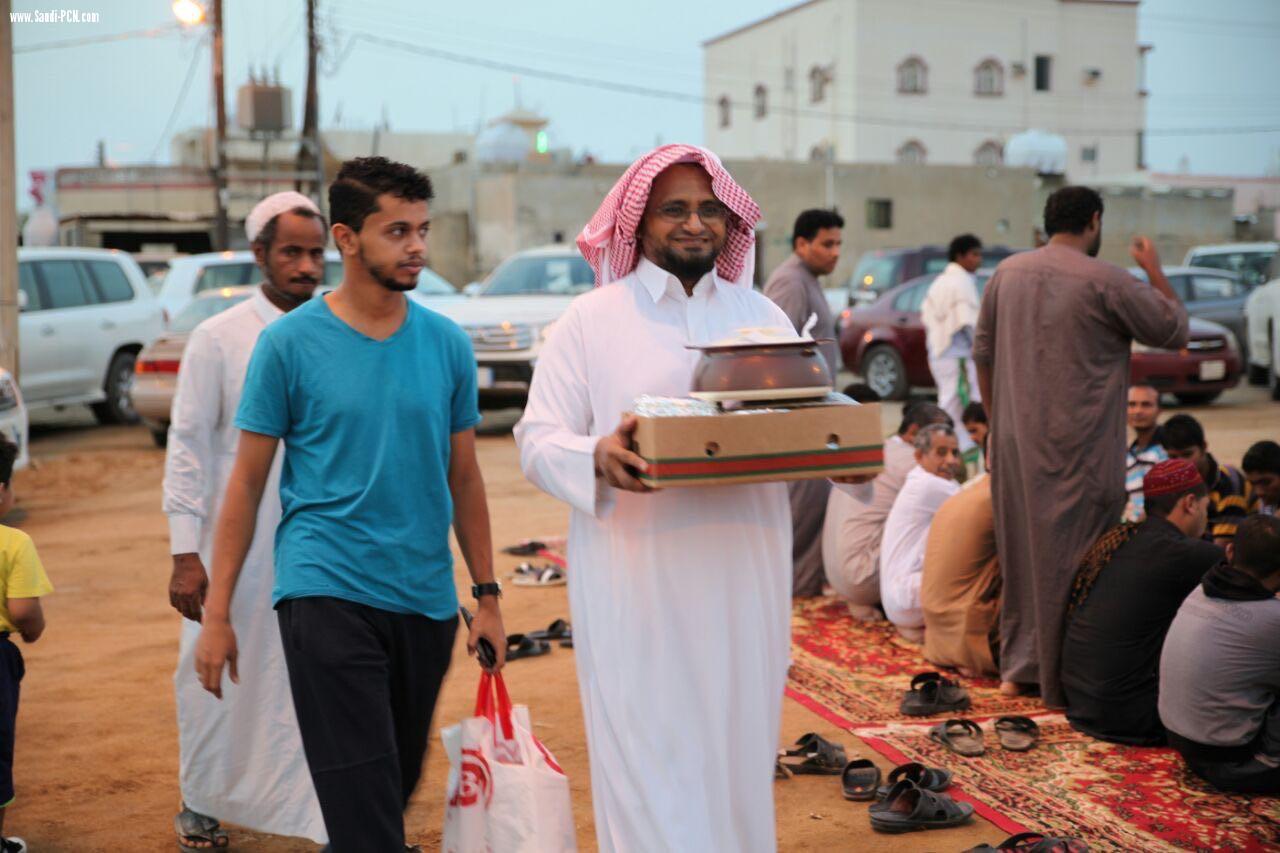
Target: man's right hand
(615, 461)
(187, 585)
(1144, 253)
(216, 648)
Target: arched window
(726, 110)
(913, 76)
(988, 78)
(912, 153)
(819, 77)
(989, 153)
(761, 100)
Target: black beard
(1095, 246)
(385, 280)
(684, 267)
(284, 297)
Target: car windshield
(876, 272)
(1253, 267)
(202, 309)
(557, 275)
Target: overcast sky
(1215, 65)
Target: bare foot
(865, 612)
(966, 672)
(1011, 688)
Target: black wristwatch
(482, 589)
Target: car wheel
(885, 373)
(160, 437)
(1258, 375)
(1201, 399)
(118, 408)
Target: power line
(182, 97)
(154, 32)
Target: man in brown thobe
(1052, 348)
(794, 286)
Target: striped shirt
(1137, 464)
(1231, 498)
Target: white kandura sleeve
(188, 460)
(557, 449)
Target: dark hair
(267, 235)
(1181, 432)
(862, 392)
(1070, 210)
(354, 193)
(1162, 505)
(1262, 458)
(922, 414)
(810, 222)
(1257, 545)
(8, 455)
(974, 413)
(962, 245)
(1147, 385)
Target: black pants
(1234, 769)
(11, 671)
(364, 684)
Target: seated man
(926, 489)
(1220, 670)
(1261, 466)
(1146, 450)
(855, 517)
(976, 425)
(1126, 593)
(960, 589)
(1231, 496)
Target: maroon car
(885, 343)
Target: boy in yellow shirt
(22, 583)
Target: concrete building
(929, 82)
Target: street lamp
(190, 13)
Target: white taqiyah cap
(271, 207)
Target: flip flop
(860, 779)
(963, 737)
(1034, 842)
(812, 742)
(825, 759)
(928, 778)
(1017, 734)
(193, 826)
(527, 548)
(932, 693)
(908, 807)
(557, 630)
(520, 646)
(546, 576)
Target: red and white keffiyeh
(608, 241)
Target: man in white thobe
(680, 598)
(950, 313)
(927, 488)
(241, 758)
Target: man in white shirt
(855, 517)
(240, 760)
(950, 313)
(928, 486)
(680, 598)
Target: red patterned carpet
(1114, 797)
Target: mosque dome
(503, 142)
(1045, 152)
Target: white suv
(86, 313)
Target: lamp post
(191, 13)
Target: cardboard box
(704, 446)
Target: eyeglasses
(708, 211)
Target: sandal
(811, 742)
(927, 778)
(963, 737)
(1017, 734)
(14, 844)
(557, 630)
(908, 807)
(521, 646)
(546, 576)
(527, 548)
(860, 779)
(1034, 842)
(931, 693)
(194, 827)
(825, 759)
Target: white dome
(41, 227)
(1042, 151)
(502, 143)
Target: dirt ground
(97, 756)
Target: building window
(912, 153)
(761, 101)
(988, 78)
(789, 79)
(913, 76)
(1044, 73)
(819, 77)
(879, 213)
(1089, 154)
(726, 110)
(989, 153)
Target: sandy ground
(97, 756)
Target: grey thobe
(798, 293)
(1055, 328)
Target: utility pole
(309, 157)
(220, 140)
(8, 203)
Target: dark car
(1210, 294)
(880, 270)
(885, 343)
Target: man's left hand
(488, 624)
(1144, 253)
(854, 479)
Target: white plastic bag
(506, 793)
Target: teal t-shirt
(366, 427)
